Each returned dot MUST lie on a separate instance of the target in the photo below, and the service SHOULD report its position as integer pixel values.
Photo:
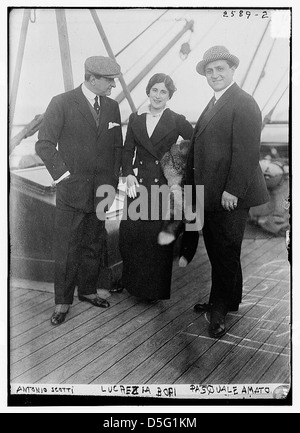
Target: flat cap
(218, 52)
(100, 65)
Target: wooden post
(17, 74)
(111, 54)
(64, 48)
(30, 129)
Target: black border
(21, 400)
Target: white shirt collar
(88, 94)
(146, 109)
(221, 92)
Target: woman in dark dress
(147, 266)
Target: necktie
(212, 103)
(210, 106)
(96, 105)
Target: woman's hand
(131, 185)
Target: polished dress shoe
(95, 300)
(206, 307)
(59, 314)
(217, 324)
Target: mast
(33, 126)
(111, 54)
(18, 68)
(64, 48)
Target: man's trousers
(223, 234)
(80, 250)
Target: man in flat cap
(80, 142)
(224, 157)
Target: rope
(147, 52)
(33, 20)
(262, 74)
(276, 87)
(140, 34)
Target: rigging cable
(276, 87)
(268, 116)
(146, 53)
(254, 54)
(208, 31)
(133, 40)
(181, 63)
(33, 18)
(263, 72)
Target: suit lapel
(82, 105)
(207, 116)
(165, 125)
(140, 130)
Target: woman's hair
(161, 78)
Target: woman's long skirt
(147, 266)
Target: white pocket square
(112, 125)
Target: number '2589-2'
(247, 14)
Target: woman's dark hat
(217, 52)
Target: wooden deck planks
(167, 342)
(138, 341)
(80, 319)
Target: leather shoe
(96, 301)
(203, 307)
(206, 307)
(217, 325)
(58, 316)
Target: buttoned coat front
(225, 151)
(147, 266)
(224, 156)
(69, 139)
(148, 151)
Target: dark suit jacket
(225, 151)
(149, 151)
(92, 155)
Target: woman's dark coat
(147, 266)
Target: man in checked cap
(80, 142)
(224, 157)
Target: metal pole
(17, 74)
(64, 48)
(111, 54)
(160, 55)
